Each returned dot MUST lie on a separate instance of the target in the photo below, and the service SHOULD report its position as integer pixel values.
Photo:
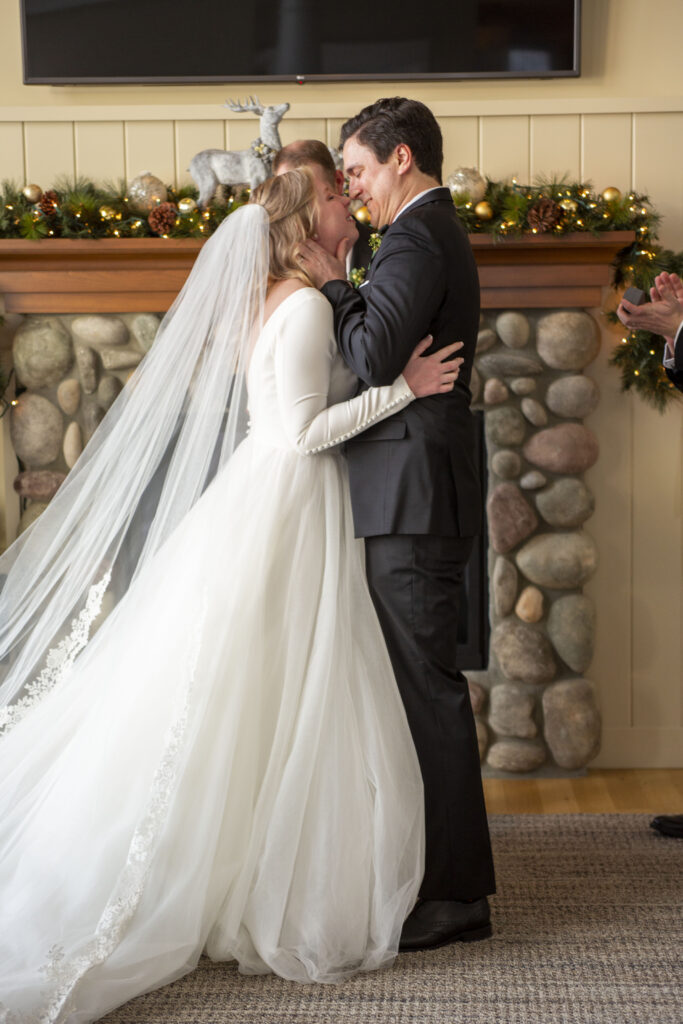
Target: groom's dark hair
(387, 123)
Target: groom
(414, 485)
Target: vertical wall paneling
(190, 138)
(12, 151)
(460, 143)
(606, 150)
(611, 481)
(150, 146)
(49, 151)
(293, 128)
(555, 146)
(658, 170)
(99, 150)
(505, 147)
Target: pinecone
(544, 215)
(162, 218)
(49, 202)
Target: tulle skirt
(227, 768)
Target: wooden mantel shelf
(125, 275)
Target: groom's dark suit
(417, 501)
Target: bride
(203, 746)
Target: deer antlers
(253, 105)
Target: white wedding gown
(227, 767)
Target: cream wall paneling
(12, 151)
(606, 143)
(504, 147)
(49, 151)
(658, 169)
(555, 146)
(191, 137)
(100, 150)
(150, 146)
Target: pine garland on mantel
(80, 209)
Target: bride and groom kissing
(228, 764)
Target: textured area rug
(587, 930)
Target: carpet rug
(588, 929)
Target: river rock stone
(69, 396)
(119, 358)
(571, 722)
(576, 396)
(72, 445)
(107, 391)
(486, 339)
(92, 417)
(495, 392)
(87, 368)
(511, 518)
(532, 480)
(523, 385)
(568, 448)
(534, 412)
(523, 652)
(36, 430)
(506, 463)
(509, 364)
(571, 627)
(38, 484)
(562, 561)
(144, 328)
(482, 737)
(503, 586)
(567, 502)
(505, 426)
(511, 711)
(513, 329)
(513, 755)
(567, 340)
(30, 514)
(42, 352)
(475, 385)
(529, 607)
(477, 695)
(99, 330)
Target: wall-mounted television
(72, 42)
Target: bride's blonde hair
(289, 201)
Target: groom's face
(375, 184)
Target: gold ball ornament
(611, 194)
(107, 212)
(33, 193)
(362, 215)
(568, 205)
(145, 192)
(187, 206)
(484, 211)
(467, 183)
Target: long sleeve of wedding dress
(306, 360)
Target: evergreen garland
(79, 209)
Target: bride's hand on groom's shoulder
(435, 374)
(320, 266)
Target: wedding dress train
(226, 766)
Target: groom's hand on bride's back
(435, 374)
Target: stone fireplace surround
(84, 323)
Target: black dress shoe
(668, 825)
(435, 923)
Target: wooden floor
(655, 791)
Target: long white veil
(174, 425)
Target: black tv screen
(94, 41)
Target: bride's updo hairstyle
(289, 201)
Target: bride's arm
(305, 351)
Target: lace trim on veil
(60, 659)
(63, 973)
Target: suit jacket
(415, 472)
(675, 373)
(361, 254)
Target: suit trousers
(414, 582)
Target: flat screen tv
(164, 41)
